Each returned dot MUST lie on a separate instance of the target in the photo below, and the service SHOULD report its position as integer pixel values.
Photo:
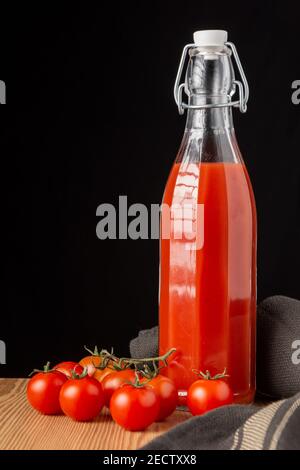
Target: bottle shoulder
(209, 146)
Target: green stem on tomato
(207, 375)
(158, 359)
(110, 360)
(79, 376)
(45, 370)
(92, 353)
(127, 362)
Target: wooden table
(23, 428)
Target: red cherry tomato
(68, 367)
(43, 391)
(134, 408)
(82, 399)
(115, 380)
(167, 393)
(205, 395)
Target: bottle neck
(216, 119)
(210, 80)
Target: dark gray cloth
(278, 333)
(244, 427)
(278, 329)
(145, 344)
(237, 427)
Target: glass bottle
(207, 294)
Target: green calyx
(207, 375)
(93, 353)
(83, 374)
(137, 381)
(46, 369)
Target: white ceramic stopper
(210, 37)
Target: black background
(90, 116)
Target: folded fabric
(145, 344)
(245, 427)
(278, 348)
(237, 427)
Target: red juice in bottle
(208, 239)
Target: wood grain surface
(23, 428)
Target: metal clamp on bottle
(215, 40)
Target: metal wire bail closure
(243, 86)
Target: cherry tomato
(43, 391)
(91, 362)
(134, 408)
(167, 393)
(113, 381)
(81, 399)
(204, 395)
(68, 367)
(100, 374)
